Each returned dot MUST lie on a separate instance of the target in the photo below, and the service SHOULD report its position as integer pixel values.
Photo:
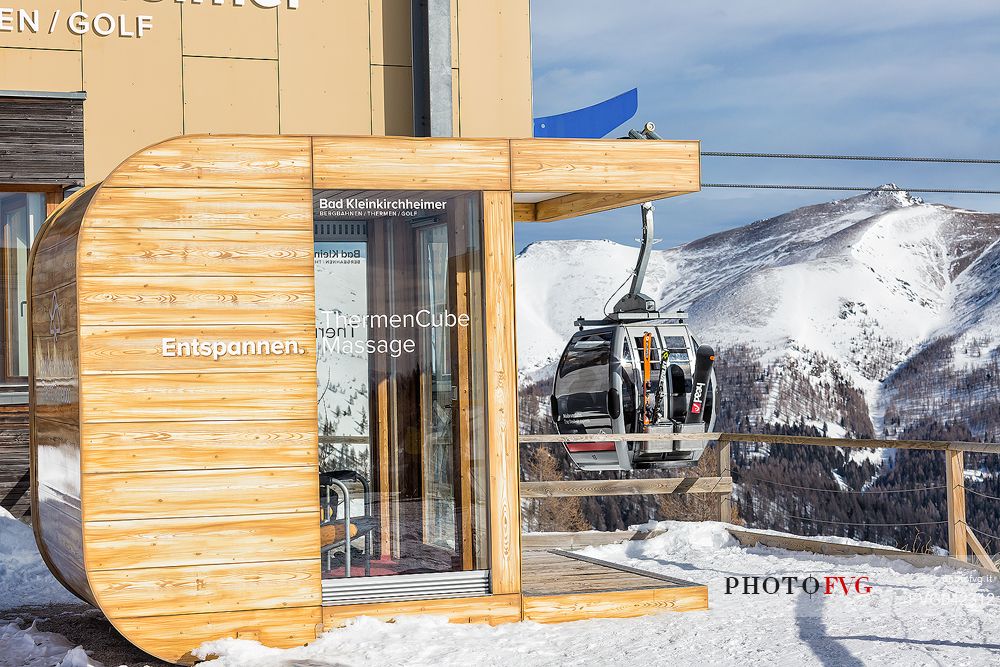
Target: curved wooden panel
(54, 393)
(200, 471)
(218, 161)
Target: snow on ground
(30, 647)
(912, 616)
(24, 579)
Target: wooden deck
(562, 586)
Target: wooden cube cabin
(236, 339)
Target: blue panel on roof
(593, 122)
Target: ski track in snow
(914, 616)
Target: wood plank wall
(200, 474)
(41, 141)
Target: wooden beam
(613, 604)
(627, 487)
(584, 203)
(524, 212)
(725, 470)
(501, 388)
(977, 548)
(955, 489)
(604, 165)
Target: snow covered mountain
(838, 303)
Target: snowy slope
(913, 616)
(845, 291)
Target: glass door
(400, 400)
(20, 216)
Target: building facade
(85, 84)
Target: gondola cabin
(600, 388)
(273, 384)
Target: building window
(21, 214)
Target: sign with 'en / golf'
(35, 20)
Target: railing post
(954, 467)
(725, 470)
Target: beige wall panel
(61, 38)
(130, 349)
(454, 37)
(390, 32)
(113, 545)
(198, 397)
(33, 69)
(398, 163)
(501, 387)
(166, 252)
(206, 588)
(603, 165)
(193, 493)
(456, 106)
(324, 66)
(495, 68)
(229, 31)
(392, 101)
(225, 161)
(173, 637)
(287, 211)
(133, 89)
(191, 445)
(229, 95)
(194, 300)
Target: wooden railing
(961, 538)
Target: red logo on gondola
(699, 391)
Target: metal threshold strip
(400, 587)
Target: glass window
(399, 300)
(21, 214)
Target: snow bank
(913, 616)
(24, 579)
(30, 647)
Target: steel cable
(865, 158)
(846, 188)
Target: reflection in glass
(400, 398)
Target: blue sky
(887, 77)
